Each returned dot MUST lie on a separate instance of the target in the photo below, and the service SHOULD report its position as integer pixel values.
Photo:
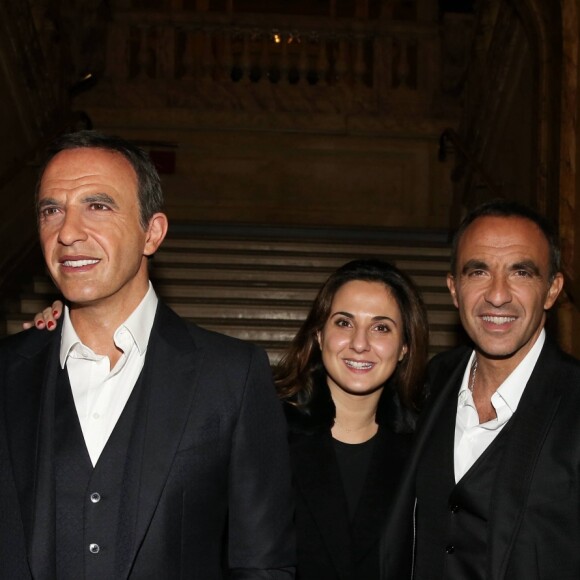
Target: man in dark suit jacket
(132, 444)
(492, 490)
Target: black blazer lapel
(317, 477)
(532, 421)
(169, 378)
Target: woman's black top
(353, 463)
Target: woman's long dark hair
(300, 375)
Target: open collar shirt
(473, 438)
(101, 393)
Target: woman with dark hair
(351, 382)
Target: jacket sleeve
(261, 533)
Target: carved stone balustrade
(259, 62)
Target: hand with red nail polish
(46, 318)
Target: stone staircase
(258, 283)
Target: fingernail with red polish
(50, 324)
(40, 323)
(55, 312)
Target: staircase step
(302, 259)
(331, 246)
(234, 289)
(268, 274)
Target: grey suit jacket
(534, 527)
(210, 482)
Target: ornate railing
(371, 60)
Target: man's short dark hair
(149, 192)
(506, 208)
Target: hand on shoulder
(46, 319)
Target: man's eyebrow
(46, 202)
(528, 265)
(93, 198)
(474, 265)
(100, 198)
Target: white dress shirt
(473, 438)
(101, 393)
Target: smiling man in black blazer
(492, 490)
(132, 444)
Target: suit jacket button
(94, 548)
(450, 549)
(95, 497)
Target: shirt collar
(512, 389)
(138, 324)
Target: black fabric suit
(211, 481)
(534, 523)
(329, 547)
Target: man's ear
(452, 289)
(554, 291)
(156, 231)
